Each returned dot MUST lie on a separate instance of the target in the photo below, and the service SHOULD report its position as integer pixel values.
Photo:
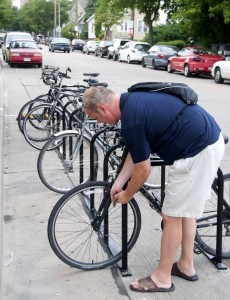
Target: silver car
(89, 47)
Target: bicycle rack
(217, 259)
(123, 264)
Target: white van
(10, 36)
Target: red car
(24, 52)
(193, 60)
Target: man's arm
(139, 174)
(123, 176)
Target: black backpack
(180, 90)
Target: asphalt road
(29, 269)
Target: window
(123, 26)
(141, 27)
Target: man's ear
(101, 108)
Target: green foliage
(208, 21)
(107, 13)
(178, 43)
(37, 16)
(8, 16)
(168, 32)
(68, 32)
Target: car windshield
(123, 43)
(60, 41)
(14, 37)
(142, 47)
(168, 50)
(199, 51)
(24, 44)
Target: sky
(16, 3)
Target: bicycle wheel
(41, 123)
(207, 224)
(71, 233)
(68, 163)
(27, 107)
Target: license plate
(62, 48)
(27, 59)
(210, 68)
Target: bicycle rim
(41, 123)
(68, 163)
(72, 237)
(207, 225)
(27, 107)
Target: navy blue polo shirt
(163, 124)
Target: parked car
(60, 44)
(133, 52)
(10, 36)
(158, 55)
(77, 44)
(114, 49)
(193, 60)
(221, 70)
(48, 40)
(102, 48)
(24, 52)
(89, 47)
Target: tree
(38, 15)
(7, 14)
(208, 21)
(68, 32)
(107, 13)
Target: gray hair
(95, 95)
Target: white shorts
(189, 182)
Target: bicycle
(48, 116)
(85, 230)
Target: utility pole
(76, 16)
(55, 17)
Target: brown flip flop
(147, 285)
(176, 272)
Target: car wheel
(68, 51)
(187, 72)
(52, 50)
(128, 59)
(143, 63)
(72, 50)
(114, 56)
(154, 65)
(49, 49)
(101, 55)
(109, 56)
(87, 52)
(95, 53)
(217, 76)
(11, 64)
(39, 65)
(169, 68)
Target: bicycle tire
(27, 107)
(72, 237)
(59, 168)
(41, 123)
(206, 226)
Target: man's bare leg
(170, 242)
(185, 263)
